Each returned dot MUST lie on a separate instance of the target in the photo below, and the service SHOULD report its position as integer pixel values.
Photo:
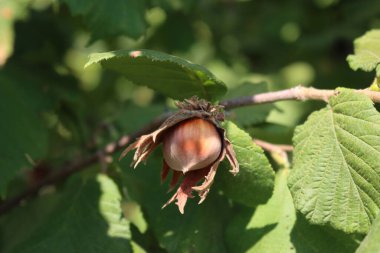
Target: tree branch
(79, 164)
(296, 93)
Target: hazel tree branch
(79, 164)
(297, 93)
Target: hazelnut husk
(194, 144)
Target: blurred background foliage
(53, 110)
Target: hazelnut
(193, 145)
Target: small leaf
(367, 52)
(253, 184)
(371, 243)
(121, 17)
(336, 174)
(250, 115)
(86, 217)
(170, 75)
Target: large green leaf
(269, 228)
(23, 133)
(250, 115)
(168, 74)
(86, 217)
(367, 52)
(253, 184)
(371, 243)
(197, 230)
(309, 238)
(105, 19)
(336, 174)
(275, 227)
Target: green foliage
(85, 217)
(23, 132)
(54, 113)
(127, 17)
(275, 227)
(268, 228)
(371, 243)
(308, 238)
(367, 53)
(255, 175)
(170, 75)
(336, 176)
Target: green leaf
(309, 238)
(28, 217)
(86, 217)
(336, 174)
(21, 127)
(371, 243)
(122, 17)
(250, 115)
(367, 52)
(275, 227)
(197, 230)
(172, 76)
(269, 228)
(254, 183)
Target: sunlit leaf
(268, 229)
(275, 227)
(336, 174)
(367, 52)
(371, 243)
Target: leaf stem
(277, 151)
(270, 147)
